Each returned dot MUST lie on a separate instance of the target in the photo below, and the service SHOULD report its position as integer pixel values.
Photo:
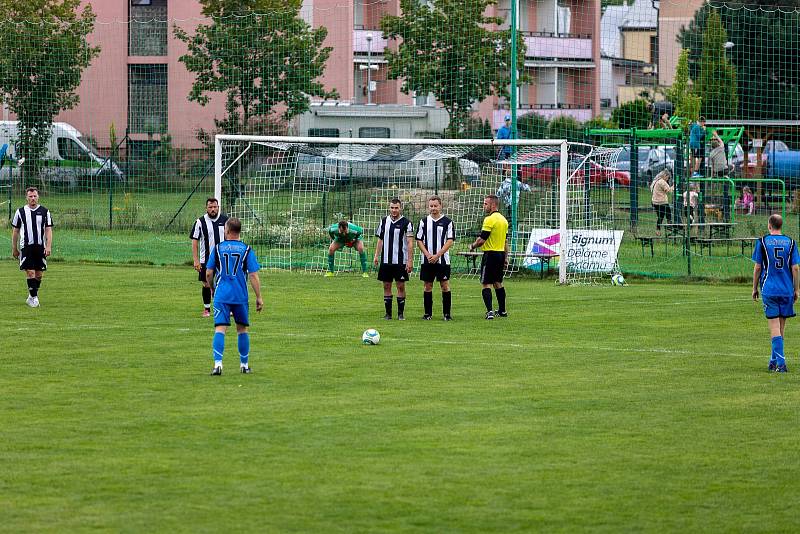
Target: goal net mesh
(287, 192)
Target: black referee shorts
(429, 272)
(492, 266)
(31, 258)
(392, 273)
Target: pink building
(138, 85)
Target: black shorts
(697, 152)
(492, 267)
(201, 275)
(31, 258)
(392, 273)
(434, 271)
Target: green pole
(514, 191)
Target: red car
(544, 168)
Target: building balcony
(543, 48)
(362, 45)
(579, 112)
(548, 48)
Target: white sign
(584, 250)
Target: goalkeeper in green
(346, 234)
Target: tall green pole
(514, 191)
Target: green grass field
(644, 408)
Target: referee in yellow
(495, 256)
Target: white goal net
(288, 191)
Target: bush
(532, 126)
(632, 114)
(565, 127)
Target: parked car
(544, 168)
(651, 161)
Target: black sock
(445, 303)
(207, 297)
(427, 299)
(401, 305)
(487, 298)
(501, 298)
(387, 303)
(32, 289)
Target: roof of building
(640, 15)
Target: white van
(69, 157)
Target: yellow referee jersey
(497, 226)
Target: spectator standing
(661, 189)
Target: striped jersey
(434, 234)
(776, 254)
(32, 223)
(209, 233)
(394, 235)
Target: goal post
(289, 190)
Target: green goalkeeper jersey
(353, 233)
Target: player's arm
(255, 283)
(505, 261)
(421, 247)
(757, 276)
(378, 250)
(48, 243)
(480, 240)
(410, 261)
(796, 280)
(195, 256)
(210, 277)
(15, 242)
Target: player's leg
(776, 359)
(205, 292)
(335, 245)
(33, 288)
(401, 300)
(387, 291)
(486, 285)
(242, 319)
(446, 301)
(427, 277)
(362, 256)
(222, 320)
(500, 291)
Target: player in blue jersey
(229, 266)
(777, 274)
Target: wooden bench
(709, 242)
(544, 259)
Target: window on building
(323, 132)
(147, 99)
(654, 49)
(373, 131)
(148, 28)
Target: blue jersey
(697, 136)
(232, 261)
(776, 254)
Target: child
(747, 202)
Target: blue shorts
(775, 307)
(222, 314)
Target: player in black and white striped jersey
(435, 236)
(208, 231)
(32, 242)
(394, 253)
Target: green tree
(764, 55)
(43, 53)
(633, 114)
(687, 104)
(565, 127)
(532, 126)
(446, 49)
(261, 54)
(716, 83)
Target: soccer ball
(617, 280)
(370, 337)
